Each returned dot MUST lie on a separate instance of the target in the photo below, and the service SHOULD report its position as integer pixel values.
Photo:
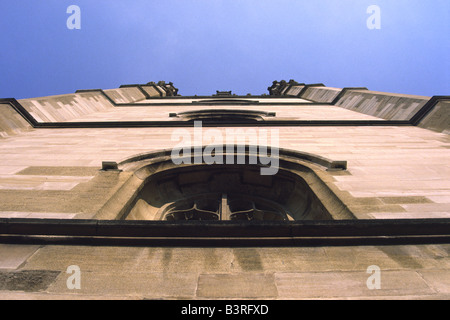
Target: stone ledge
(298, 233)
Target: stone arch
(158, 189)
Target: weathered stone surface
(65, 107)
(439, 280)
(413, 163)
(129, 284)
(125, 95)
(60, 171)
(383, 105)
(349, 284)
(30, 281)
(242, 286)
(321, 94)
(11, 123)
(438, 119)
(418, 272)
(86, 195)
(14, 256)
(392, 172)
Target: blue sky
(208, 45)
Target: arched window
(164, 191)
(223, 115)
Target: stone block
(236, 286)
(13, 257)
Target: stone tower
(291, 194)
